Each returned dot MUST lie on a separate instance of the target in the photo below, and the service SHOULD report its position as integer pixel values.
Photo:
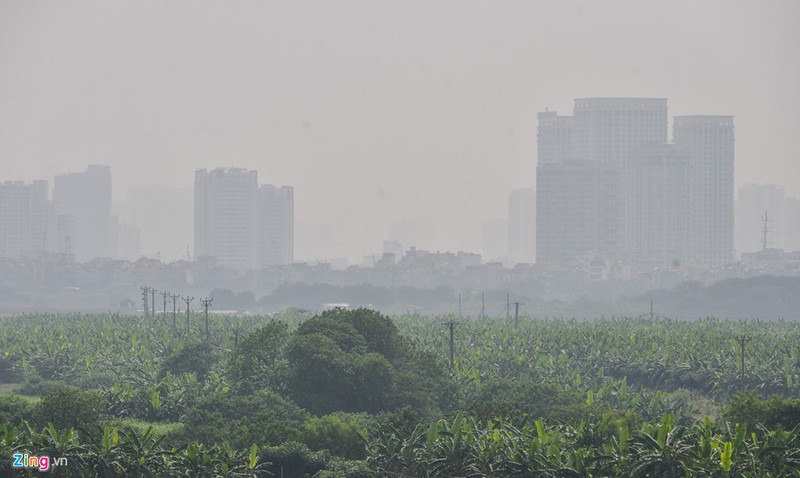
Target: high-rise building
(755, 205)
(605, 178)
(86, 199)
(657, 195)
(594, 145)
(709, 141)
(522, 225)
(608, 129)
(242, 225)
(225, 216)
(276, 224)
(554, 138)
(25, 219)
(566, 210)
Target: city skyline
(377, 113)
(165, 219)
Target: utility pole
(164, 294)
(483, 304)
(508, 306)
(451, 325)
(206, 302)
(188, 301)
(516, 314)
(764, 231)
(174, 298)
(743, 339)
(153, 302)
(145, 295)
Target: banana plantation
(352, 393)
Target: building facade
(26, 219)
(85, 198)
(239, 224)
(709, 141)
(609, 184)
(657, 196)
(225, 218)
(276, 224)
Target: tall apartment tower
(709, 141)
(276, 224)
(657, 196)
(566, 211)
(581, 174)
(85, 198)
(25, 219)
(225, 216)
(522, 225)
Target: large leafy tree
(355, 361)
(259, 360)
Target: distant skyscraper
(566, 210)
(26, 219)
(225, 217)
(608, 184)
(587, 155)
(658, 205)
(709, 140)
(522, 225)
(86, 199)
(276, 224)
(608, 129)
(752, 203)
(554, 138)
(241, 225)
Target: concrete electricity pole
(188, 301)
(145, 296)
(206, 302)
(174, 298)
(164, 294)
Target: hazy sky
(377, 111)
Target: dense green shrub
(264, 418)
(339, 434)
(69, 407)
(39, 387)
(14, 408)
(752, 409)
(197, 358)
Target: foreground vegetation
(353, 393)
